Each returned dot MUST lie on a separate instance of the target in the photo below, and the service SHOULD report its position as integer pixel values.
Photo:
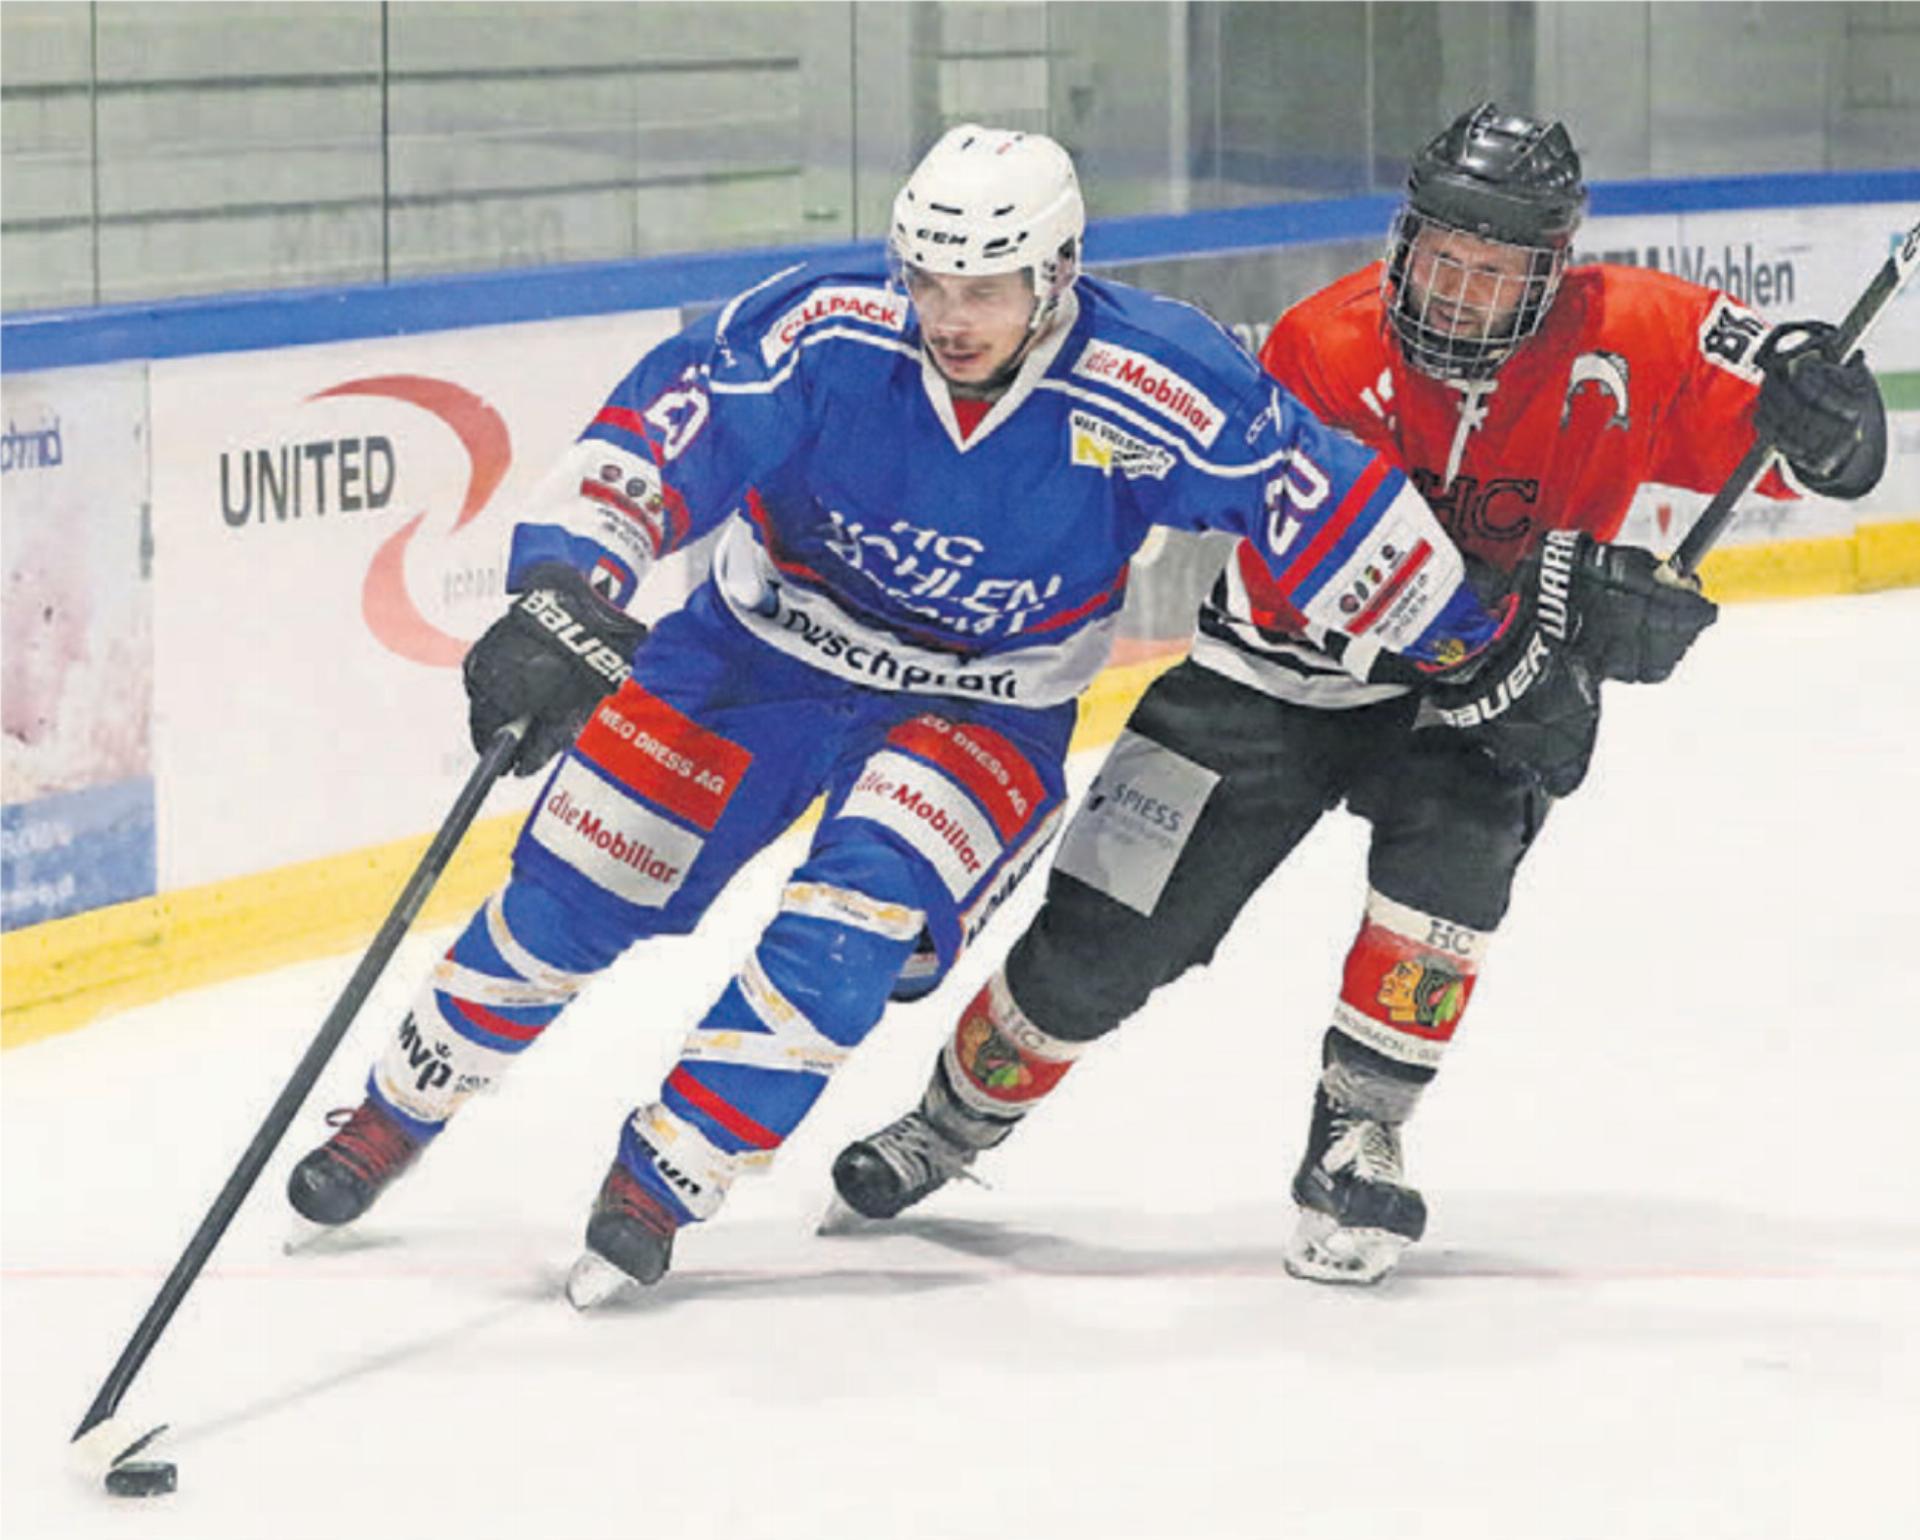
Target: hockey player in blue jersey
(933, 473)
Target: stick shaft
(498, 755)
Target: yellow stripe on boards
(1874, 556)
(60, 975)
(1889, 555)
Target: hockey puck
(143, 1478)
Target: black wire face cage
(1451, 341)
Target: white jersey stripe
(733, 305)
(781, 375)
(1335, 690)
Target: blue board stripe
(228, 323)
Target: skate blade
(303, 1235)
(305, 1238)
(593, 1281)
(1322, 1250)
(842, 1218)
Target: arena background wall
(248, 539)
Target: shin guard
(1408, 979)
(998, 1064)
(806, 996)
(486, 1002)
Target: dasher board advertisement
(331, 527)
(77, 828)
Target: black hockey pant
(1449, 830)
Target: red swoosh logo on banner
(391, 614)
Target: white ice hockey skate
(1357, 1215)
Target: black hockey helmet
(1495, 176)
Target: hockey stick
(104, 1450)
(1712, 523)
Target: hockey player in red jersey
(1529, 402)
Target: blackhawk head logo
(1423, 993)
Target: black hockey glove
(1528, 697)
(551, 657)
(1826, 417)
(1634, 618)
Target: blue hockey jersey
(870, 536)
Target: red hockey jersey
(1635, 377)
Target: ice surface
(1671, 1287)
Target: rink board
(235, 722)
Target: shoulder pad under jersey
(1164, 358)
(763, 330)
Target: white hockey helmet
(991, 200)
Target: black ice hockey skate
(338, 1182)
(1356, 1214)
(913, 1156)
(629, 1241)
(885, 1173)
